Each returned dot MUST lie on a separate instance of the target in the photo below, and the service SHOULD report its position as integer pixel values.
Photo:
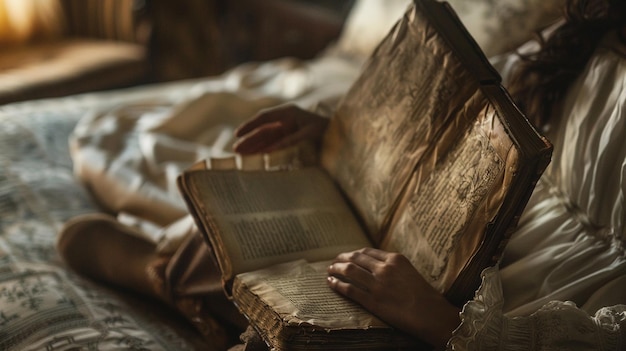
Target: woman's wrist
(438, 328)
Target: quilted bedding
(45, 306)
(42, 305)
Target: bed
(45, 306)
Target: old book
(426, 155)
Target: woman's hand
(278, 127)
(388, 285)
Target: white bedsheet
(130, 155)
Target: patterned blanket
(44, 306)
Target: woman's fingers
(349, 290)
(277, 128)
(273, 136)
(282, 113)
(387, 284)
(355, 273)
(376, 253)
(367, 258)
(261, 138)
(289, 139)
(352, 273)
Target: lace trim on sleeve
(481, 318)
(556, 326)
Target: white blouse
(561, 284)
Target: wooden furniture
(192, 38)
(103, 46)
(116, 43)
(267, 29)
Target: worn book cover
(426, 155)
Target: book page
(409, 91)
(449, 191)
(297, 156)
(298, 293)
(260, 218)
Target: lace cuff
(557, 325)
(481, 318)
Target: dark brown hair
(542, 78)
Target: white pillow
(367, 24)
(497, 26)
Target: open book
(426, 155)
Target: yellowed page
(409, 91)
(260, 218)
(298, 293)
(453, 196)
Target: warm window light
(22, 20)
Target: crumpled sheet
(129, 156)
